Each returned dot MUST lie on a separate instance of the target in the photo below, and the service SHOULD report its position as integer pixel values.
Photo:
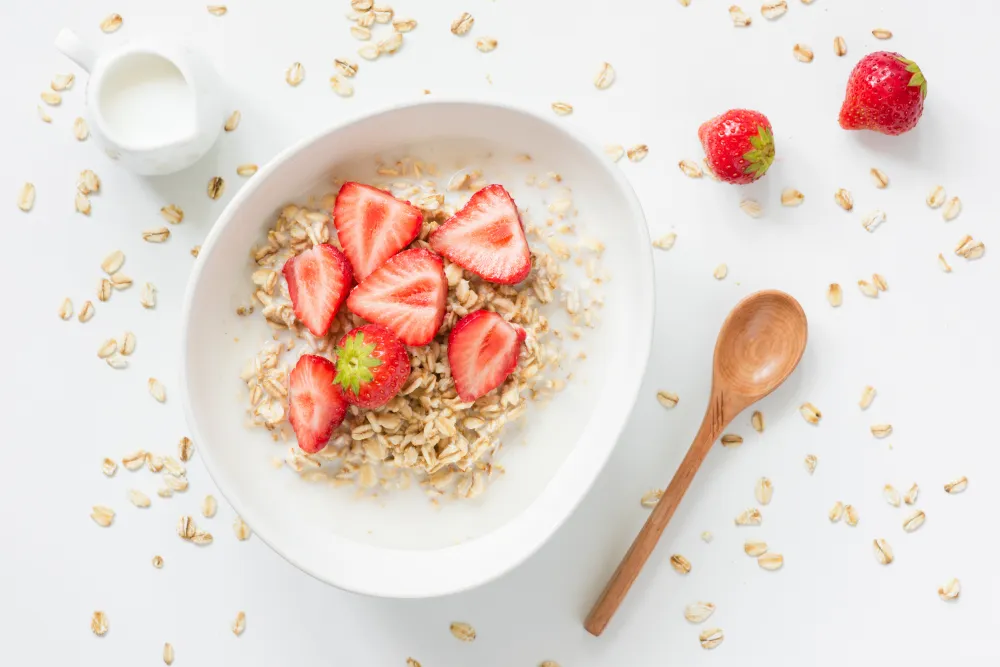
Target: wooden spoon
(760, 344)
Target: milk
(146, 102)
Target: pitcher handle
(73, 48)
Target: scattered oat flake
(157, 390)
(879, 178)
(138, 498)
(713, 637)
(62, 82)
(650, 498)
(770, 561)
(346, 67)
(43, 114)
(667, 399)
(52, 98)
(739, 17)
(86, 312)
(295, 74)
(104, 289)
(103, 516)
(605, 76)
(811, 461)
(750, 517)
(763, 490)
(868, 289)
(107, 348)
(562, 109)
(638, 152)
(111, 23)
(217, 10)
(186, 528)
(871, 221)
(720, 272)
(615, 152)
(202, 538)
(195, 251)
(99, 623)
(216, 186)
(867, 396)
(158, 235)
(109, 467)
(158, 562)
(240, 624)
(462, 24)
(891, 495)
(810, 413)
(690, 169)
(66, 309)
(233, 121)
(951, 590)
(791, 197)
(134, 461)
(844, 199)
(752, 208)
(839, 46)
(802, 53)
(757, 421)
(147, 295)
(851, 515)
(835, 295)
(836, 512)
(914, 521)
(943, 263)
(957, 485)
(936, 196)
(370, 52)
(185, 449)
(113, 262)
(404, 25)
(883, 552)
(26, 197)
(486, 44)
(881, 33)
(881, 430)
(665, 242)
(952, 209)
(680, 564)
(731, 440)
(168, 654)
(246, 170)
(773, 10)
(699, 612)
(241, 529)
(172, 213)
(410, 662)
(463, 631)
(754, 548)
(969, 248)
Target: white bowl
(399, 544)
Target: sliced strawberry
(482, 351)
(318, 281)
(406, 294)
(486, 237)
(316, 405)
(372, 226)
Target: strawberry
(318, 282)
(372, 226)
(486, 237)
(316, 405)
(372, 365)
(739, 145)
(885, 93)
(482, 352)
(406, 294)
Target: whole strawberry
(372, 365)
(738, 144)
(885, 93)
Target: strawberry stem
(354, 359)
(762, 155)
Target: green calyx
(762, 155)
(354, 359)
(917, 78)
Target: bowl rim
(641, 321)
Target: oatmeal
(426, 434)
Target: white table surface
(928, 345)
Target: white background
(928, 345)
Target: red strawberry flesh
(407, 294)
(885, 93)
(486, 237)
(318, 282)
(372, 365)
(316, 405)
(482, 352)
(372, 226)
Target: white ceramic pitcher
(155, 106)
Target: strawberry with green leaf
(739, 145)
(885, 93)
(372, 366)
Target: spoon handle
(644, 543)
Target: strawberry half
(482, 352)
(372, 366)
(316, 405)
(318, 282)
(372, 226)
(486, 237)
(407, 294)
